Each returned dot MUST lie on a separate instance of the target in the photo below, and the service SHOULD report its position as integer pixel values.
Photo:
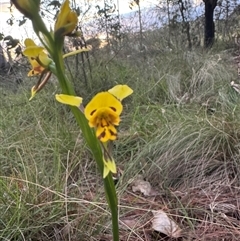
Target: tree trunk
(186, 25)
(3, 61)
(209, 23)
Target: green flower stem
(41, 29)
(92, 141)
(112, 200)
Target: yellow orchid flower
(27, 7)
(121, 91)
(66, 20)
(103, 113)
(37, 57)
(40, 62)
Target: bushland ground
(180, 132)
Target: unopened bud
(29, 8)
(66, 20)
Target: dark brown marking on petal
(113, 108)
(32, 58)
(92, 112)
(112, 133)
(102, 135)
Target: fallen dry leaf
(163, 224)
(143, 186)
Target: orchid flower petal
(69, 100)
